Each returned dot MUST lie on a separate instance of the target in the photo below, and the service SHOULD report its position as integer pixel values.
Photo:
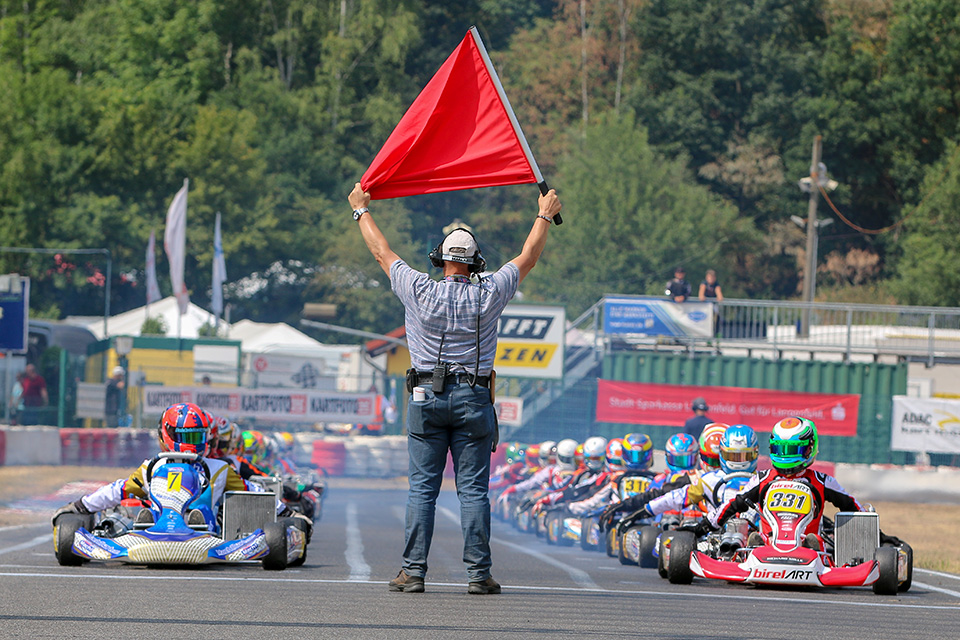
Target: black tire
(63, 533)
(905, 585)
(661, 568)
(552, 528)
(299, 524)
(682, 546)
(629, 539)
(276, 536)
(586, 526)
(540, 525)
(648, 539)
(887, 583)
(611, 541)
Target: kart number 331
(789, 500)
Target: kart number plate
(790, 500)
(633, 486)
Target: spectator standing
(695, 425)
(34, 394)
(115, 387)
(710, 288)
(678, 289)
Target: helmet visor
(190, 435)
(790, 448)
(682, 460)
(738, 455)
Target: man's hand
(74, 507)
(358, 197)
(549, 204)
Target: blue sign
(14, 317)
(657, 317)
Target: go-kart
(788, 556)
(176, 527)
(640, 535)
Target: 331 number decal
(788, 500)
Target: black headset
(476, 265)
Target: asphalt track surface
(340, 592)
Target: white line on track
(949, 592)
(359, 569)
(581, 577)
(873, 602)
(28, 544)
(32, 525)
(952, 576)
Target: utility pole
(810, 274)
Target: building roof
(128, 323)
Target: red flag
(460, 133)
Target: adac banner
(925, 424)
(291, 405)
(669, 404)
(658, 317)
(530, 341)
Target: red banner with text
(669, 404)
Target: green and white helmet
(793, 445)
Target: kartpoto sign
(669, 404)
(292, 405)
(925, 424)
(530, 341)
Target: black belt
(452, 378)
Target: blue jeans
(461, 420)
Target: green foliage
(154, 326)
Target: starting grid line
(880, 602)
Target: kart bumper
(137, 548)
(812, 573)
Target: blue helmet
(682, 452)
(637, 451)
(739, 449)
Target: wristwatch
(359, 212)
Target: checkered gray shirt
(450, 309)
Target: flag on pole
(153, 289)
(460, 133)
(175, 244)
(219, 271)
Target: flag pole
(512, 116)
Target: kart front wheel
(611, 541)
(276, 538)
(887, 583)
(648, 539)
(63, 533)
(682, 546)
(587, 528)
(629, 546)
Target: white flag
(153, 289)
(175, 244)
(219, 271)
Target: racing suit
(584, 483)
(536, 481)
(710, 489)
(823, 486)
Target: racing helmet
(739, 449)
(615, 454)
(253, 444)
(548, 453)
(578, 456)
(637, 451)
(566, 454)
(710, 445)
(218, 425)
(594, 450)
(682, 452)
(184, 427)
(229, 441)
(532, 456)
(515, 452)
(286, 441)
(793, 445)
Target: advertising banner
(657, 317)
(925, 424)
(14, 313)
(669, 404)
(276, 404)
(509, 412)
(530, 341)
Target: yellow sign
(633, 486)
(792, 500)
(173, 481)
(525, 354)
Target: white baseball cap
(118, 371)
(459, 246)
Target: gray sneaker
(487, 586)
(406, 583)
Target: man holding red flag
(451, 330)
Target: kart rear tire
(622, 553)
(648, 539)
(661, 569)
(586, 526)
(682, 546)
(611, 541)
(553, 528)
(905, 585)
(64, 531)
(887, 583)
(276, 538)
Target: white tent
(129, 322)
(260, 337)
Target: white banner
(276, 404)
(925, 424)
(509, 411)
(530, 341)
(219, 271)
(153, 289)
(175, 244)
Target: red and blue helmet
(637, 451)
(682, 452)
(184, 427)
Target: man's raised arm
(533, 246)
(376, 242)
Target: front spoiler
(143, 548)
(811, 572)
